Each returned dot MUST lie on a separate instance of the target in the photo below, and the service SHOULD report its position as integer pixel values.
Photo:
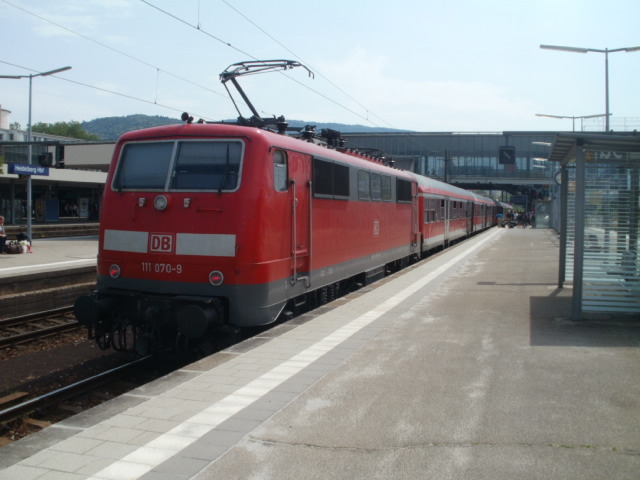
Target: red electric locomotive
(207, 228)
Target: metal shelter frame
(600, 215)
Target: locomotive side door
(300, 171)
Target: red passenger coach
(451, 213)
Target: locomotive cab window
(207, 166)
(143, 166)
(180, 165)
(280, 171)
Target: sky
(419, 65)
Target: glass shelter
(600, 213)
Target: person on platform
(3, 235)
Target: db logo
(161, 243)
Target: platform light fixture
(581, 117)
(30, 147)
(606, 52)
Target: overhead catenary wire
(305, 62)
(120, 52)
(159, 70)
(204, 32)
(124, 95)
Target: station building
(67, 175)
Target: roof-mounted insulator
(308, 132)
(186, 118)
(281, 125)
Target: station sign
(26, 169)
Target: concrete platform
(51, 254)
(463, 367)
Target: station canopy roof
(564, 144)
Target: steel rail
(39, 332)
(69, 391)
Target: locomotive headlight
(161, 202)
(216, 278)
(114, 271)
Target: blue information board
(25, 169)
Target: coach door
(415, 216)
(300, 187)
(446, 216)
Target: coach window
(280, 171)
(364, 185)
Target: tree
(65, 129)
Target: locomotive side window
(403, 190)
(322, 177)
(387, 196)
(330, 180)
(207, 166)
(364, 185)
(341, 181)
(143, 166)
(280, 171)
(376, 187)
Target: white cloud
(379, 85)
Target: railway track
(35, 326)
(20, 415)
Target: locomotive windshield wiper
(227, 173)
(251, 68)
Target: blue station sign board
(26, 169)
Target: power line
(158, 69)
(131, 97)
(303, 61)
(143, 62)
(197, 27)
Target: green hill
(111, 128)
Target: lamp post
(30, 147)
(582, 117)
(606, 52)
